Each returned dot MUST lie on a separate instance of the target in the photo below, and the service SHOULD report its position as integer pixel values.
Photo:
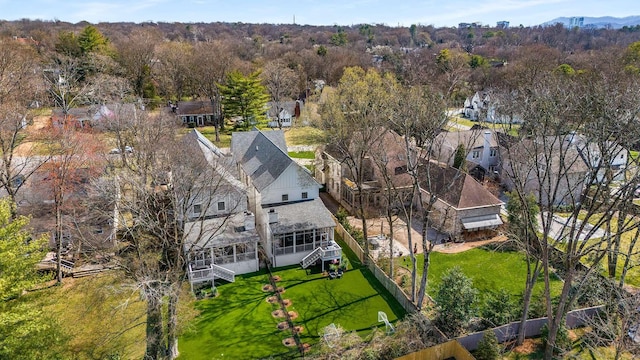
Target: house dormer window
(221, 206)
(305, 195)
(475, 154)
(493, 152)
(197, 209)
(285, 197)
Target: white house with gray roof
(220, 237)
(293, 223)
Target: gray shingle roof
(263, 155)
(194, 108)
(299, 216)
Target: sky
(316, 12)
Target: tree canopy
(244, 96)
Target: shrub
(455, 298)
(488, 348)
(499, 308)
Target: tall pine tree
(245, 97)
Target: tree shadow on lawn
(328, 303)
(395, 306)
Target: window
(305, 195)
(285, 197)
(492, 169)
(493, 152)
(475, 154)
(184, 119)
(221, 206)
(197, 209)
(400, 170)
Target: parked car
(127, 150)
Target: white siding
(293, 182)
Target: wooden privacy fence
(379, 274)
(447, 350)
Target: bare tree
(18, 88)
(566, 161)
(280, 81)
(155, 189)
(135, 55)
(352, 119)
(173, 70)
(420, 116)
(212, 61)
(73, 161)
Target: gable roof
(194, 108)
(220, 163)
(456, 188)
(262, 155)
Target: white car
(127, 150)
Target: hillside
(600, 22)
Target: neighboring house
(194, 113)
(481, 148)
(293, 223)
(549, 168)
(615, 155)
(334, 174)
(283, 114)
(90, 116)
(220, 235)
(481, 107)
(463, 207)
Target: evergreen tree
(245, 96)
(92, 40)
(454, 299)
(459, 157)
(488, 347)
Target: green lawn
(238, 323)
(304, 135)
(302, 154)
(490, 270)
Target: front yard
(238, 324)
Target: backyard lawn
(490, 270)
(238, 324)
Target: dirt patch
(293, 315)
(289, 342)
(267, 288)
(281, 290)
(286, 302)
(529, 346)
(452, 248)
(272, 299)
(278, 313)
(306, 347)
(283, 325)
(298, 329)
(399, 272)
(276, 278)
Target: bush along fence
(533, 327)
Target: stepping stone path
(280, 313)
